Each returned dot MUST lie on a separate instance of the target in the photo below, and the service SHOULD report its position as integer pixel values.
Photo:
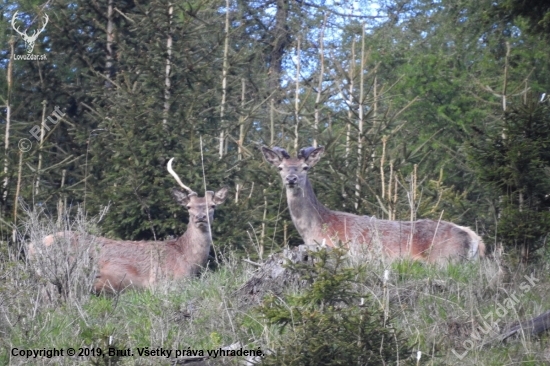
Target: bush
(513, 159)
(331, 323)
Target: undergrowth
(331, 322)
(344, 311)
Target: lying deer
(140, 264)
(431, 241)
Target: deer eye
(188, 207)
(306, 167)
(280, 168)
(213, 207)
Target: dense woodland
(426, 109)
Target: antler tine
(13, 23)
(46, 18)
(281, 151)
(36, 32)
(304, 152)
(173, 173)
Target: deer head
(29, 40)
(293, 171)
(201, 209)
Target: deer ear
(180, 197)
(315, 156)
(271, 156)
(220, 196)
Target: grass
(440, 310)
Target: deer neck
(195, 246)
(306, 211)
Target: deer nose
(292, 179)
(201, 217)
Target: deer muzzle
(291, 180)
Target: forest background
(427, 109)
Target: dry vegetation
(452, 314)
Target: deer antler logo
(29, 40)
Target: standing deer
(431, 241)
(141, 264)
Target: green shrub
(331, 323)
(513, 158)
